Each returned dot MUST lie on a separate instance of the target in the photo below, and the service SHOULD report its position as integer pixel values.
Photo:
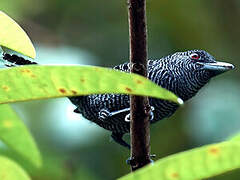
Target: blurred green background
(96, 33)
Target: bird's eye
(194, 56)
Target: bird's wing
(126, 66)
(123, 67)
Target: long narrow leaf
(203, 162)
(236, 137)
(41, 82)
(15, 135)
(9, 170)
(13, 37)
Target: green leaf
(198, 163)
(13, 37)
(41, 82)
(9, 170)
(236, 137)
(15, 135)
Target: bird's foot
(104, 114)
(131, 161)
(151, 113)
(127, 117)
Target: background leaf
(236, 137)
(13, 37)
(9, 170)
(15, 134)
(39, 82)
(203, 162)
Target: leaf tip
(180, 101)
(14, 37)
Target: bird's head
(192, 70)
(202, 61)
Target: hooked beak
(217, 67)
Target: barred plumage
(183, 73)
(16, 60)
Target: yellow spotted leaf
(40, 82)
(198, 163)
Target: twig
(140, 109)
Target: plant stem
(140, 108)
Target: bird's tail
(14, 60)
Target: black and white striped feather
(177, 73)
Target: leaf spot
(128, 89)
(139, 82)
(214, 151)
(74, 92)
(25, 70)
(6, 88)
(7, 124)
(175, 175)
(33, 75)
(62, 90)
(82, 80)
(97, 69)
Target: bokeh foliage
(101, 29)
(43, 82)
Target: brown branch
(140, 109)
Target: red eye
(195, 56)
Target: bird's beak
(217, 67)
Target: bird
(183, 73)
(15, 60)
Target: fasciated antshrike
(183, 73)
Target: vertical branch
(140, 109)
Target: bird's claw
(127, 117)
(131, 161)
(151, 113)
(104, 114)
